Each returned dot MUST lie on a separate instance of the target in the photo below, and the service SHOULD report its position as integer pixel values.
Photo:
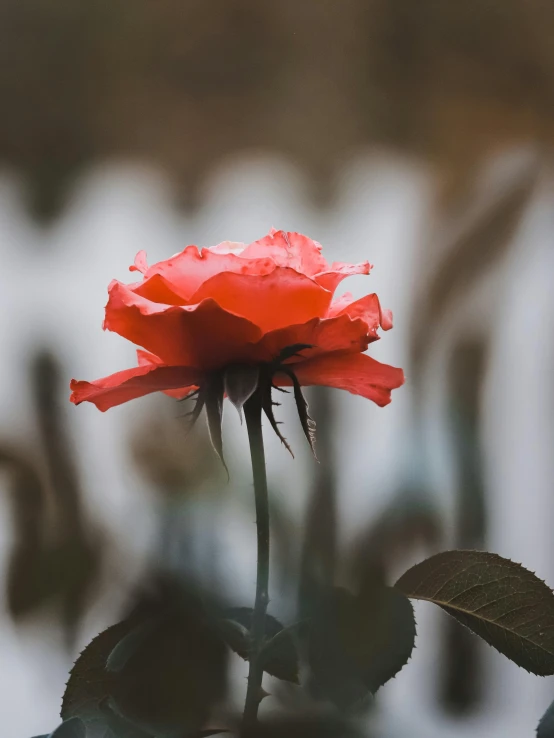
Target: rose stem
(253, 414)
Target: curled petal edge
(358, 374)
(130, 384)
(368, 308)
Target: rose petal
(132, 383)
(368, 309)
(228, 247)
(289, 249)
(185, 272)
(333, 276)
(140, 264)
(270, 301)
(359, 374)
(386, 319)
(331, 334)
(157, 289)
(204, 335)
(340, 303)
(145, 358)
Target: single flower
(234, 318)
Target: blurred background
(416, 135)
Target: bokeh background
(417, 135)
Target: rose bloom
(269, 303)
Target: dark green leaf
(545, 728)
(115, 726)
(358, 643)
(168, 666)
(172, 677)
(72, 728)
(236, 636)
(388, 630)
(241, 381)
(505, 604)
(281, 659)
(89, 683)
(129, 644)
(273, 647)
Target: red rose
(203, 311)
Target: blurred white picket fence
(53, 288)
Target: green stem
(253, 414)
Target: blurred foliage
(319, 552)
(357, 643)
(72, 728)
(131, 680)
(461, 685)
(183, 83)
(57, 552)
(479, 243)
(545, 728)
(163, 670)
(175, 461)
(280, 656)
(159, 670)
